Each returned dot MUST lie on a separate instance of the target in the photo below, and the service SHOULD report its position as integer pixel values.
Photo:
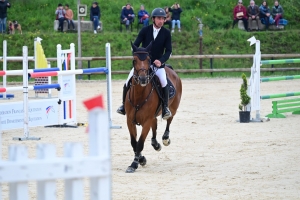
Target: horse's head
(141, 64)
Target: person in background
(127, 15)
(240, 13)
(176, 11)
(143, 16)
(253, 14)
(168, 18)
(95, 15)
(277, 12)
(69, 17)
(3, 14)
(60, 13)
(265, 13)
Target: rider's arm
(168, 49)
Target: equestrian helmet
(158, 12)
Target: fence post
(272, 66)
(211, 65)
(89, 66)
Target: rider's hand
(157, 63)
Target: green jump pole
(280, 78)
(276, 62)
(272, 96)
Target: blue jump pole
(46, 70)
(49, 86)
(95, 70)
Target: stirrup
(121, 110)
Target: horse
(143, 103)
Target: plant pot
(244, 116)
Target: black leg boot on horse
(166, 113)
(121, 109)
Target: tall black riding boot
(121, 109)
(166, 113)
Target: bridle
(142, 55)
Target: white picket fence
(73, 167)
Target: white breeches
(160, 73)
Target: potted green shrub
(245, 100)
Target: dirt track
(211, 156)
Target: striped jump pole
(272, 96)
(279, 78)
(20, 72)
(276, 62)
(70, 72)
(31, 87)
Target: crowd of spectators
(261, 14)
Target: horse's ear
(148, 48)
(134, 48)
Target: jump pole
(277, 62)
(25, 99)
(109, 88)
(280, 78)
(272, 96)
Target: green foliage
(245, 99)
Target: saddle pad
(172, 90)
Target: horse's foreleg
(138, 158)
(154, 142)
(133, 134)
(165, 138)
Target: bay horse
(143, 103)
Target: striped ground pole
(272, 96)
(276, 62)
(279, 78)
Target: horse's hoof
(167, 142)
(130, 170)
(143, 162)
(158, 148)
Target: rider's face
(159, 21)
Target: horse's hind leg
(154, 142)
(165, 138)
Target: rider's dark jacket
(161, 46)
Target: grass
(37, 19)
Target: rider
(160, 53)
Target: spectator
(265, 13)
(69, 17)
(60, 13)
(3, 14)
(143, 16)
(95, 15)
(240, 13)
(176, 11)
(168, 18)
(127, 15)
(253, 14)
(277, 12)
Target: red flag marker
(94, 102)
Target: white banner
(41, 113)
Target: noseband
(142, 55)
